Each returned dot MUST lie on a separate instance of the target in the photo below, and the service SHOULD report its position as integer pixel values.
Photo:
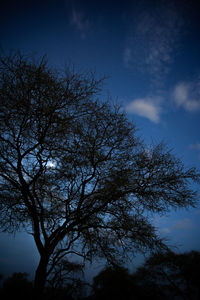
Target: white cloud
(181, 93)
(187, 96)
(80, 22)
(145, 107)
(184, 224)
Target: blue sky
(150, 52)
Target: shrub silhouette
(17, 286)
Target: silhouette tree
(73, 172)
(170, 275)
(115, 283)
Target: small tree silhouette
(114, 283)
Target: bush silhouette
(17, 286)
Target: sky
(150, 53)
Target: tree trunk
(40, 277)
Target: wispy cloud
(146, 107)
(80, 22)
(196, 147)
(127, 56)
(187, 95)
(165, 230)
(184, 224)
(152, 39)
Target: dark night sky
(150, 51)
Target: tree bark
(40, 277)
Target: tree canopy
(74, 173)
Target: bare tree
(73, 172)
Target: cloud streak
(152, 40)
(80, 22)
(195, 147)
(184, 224)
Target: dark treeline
(162, 276)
